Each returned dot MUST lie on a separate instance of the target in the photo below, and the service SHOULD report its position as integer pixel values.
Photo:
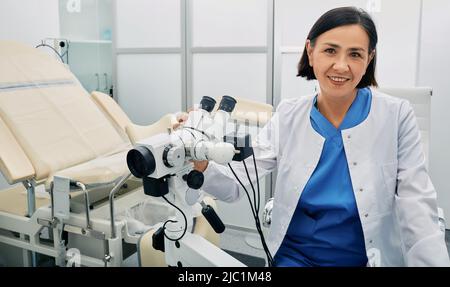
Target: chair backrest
(420, 99)
(46, 111)
(133, 132)
(112, 109)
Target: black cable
(257, 179)
(243, 187)
(253, 189)
(182, 141)
(174, 221)
(54, 50)
(258, 223)
(256, 218)
(200, 131)
(192, 134)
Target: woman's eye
(355, 55)
(330, 51)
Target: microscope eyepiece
(141, 162)
(207, 104)
(227, 104)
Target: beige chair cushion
(133, 131)
(14, 201)
(137, 132)
(101, 170)
(13, 161)
(148, 256)
(23, 64)
(112, 109)
(57, 125)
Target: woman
(351, 179)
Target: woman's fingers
(181, 118)
(200, 165)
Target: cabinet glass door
(87, 27)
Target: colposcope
(164, 163)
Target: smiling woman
(352, 187)
(340, 53)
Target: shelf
(90, 41)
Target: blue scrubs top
(325, 229)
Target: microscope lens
(141, 162)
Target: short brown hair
(336, 18)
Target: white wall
(149, 58)
(396, 50)
(29, 21)
(434, 72)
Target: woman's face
(339, 58)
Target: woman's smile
(338, 81)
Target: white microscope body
(164, 162)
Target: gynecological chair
(64, 152)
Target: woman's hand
(200, 165)
(181, 119)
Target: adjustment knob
(173, 156)
(194, 179)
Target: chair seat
(14, 201)
(102, 170)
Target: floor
(243, 246)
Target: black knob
(194, 179)
(213, 219)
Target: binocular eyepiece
(227, 104)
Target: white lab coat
(394, 194)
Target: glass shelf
(78, 41)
